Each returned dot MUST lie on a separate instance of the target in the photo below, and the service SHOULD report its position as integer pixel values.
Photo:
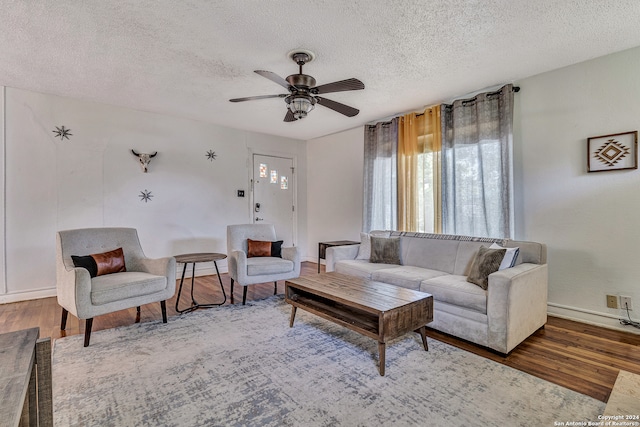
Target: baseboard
(605, 320)
(200, 271)
(25, 296)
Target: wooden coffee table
(377, 310)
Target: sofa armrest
(292, 254)
(73, 290)
(516, 304)
(339, 253)
(158, 266)
(237, 265)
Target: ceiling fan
(303, 92)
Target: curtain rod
(513, 89)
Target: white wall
(335, 182)
(590, 221)
(92, 179)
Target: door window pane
(263, 170)
(284, 183)
(274, 176)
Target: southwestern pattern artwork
(613, 152)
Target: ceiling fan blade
(341, 86)
(251, 98)
(336, 106)
(289, 116)
(274, 78)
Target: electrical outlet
(625, 303)
(612, 301)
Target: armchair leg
(87, 331)
(163, 307)
(275, 288)
(63, 322)
(244, 295)
(231, 291)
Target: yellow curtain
(419, 192)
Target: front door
(273, 201)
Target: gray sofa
(512, 308)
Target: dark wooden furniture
(377, 310)
(25, 379)
(194, 259)
(322, 248)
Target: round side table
(194, 259)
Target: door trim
(294, 159)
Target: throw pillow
(101, 264)
(258, 248)
(487, 261)
(510, 257)
(385, 250)
(364, 252)
(276, 248)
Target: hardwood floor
(575, 355)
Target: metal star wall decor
(145, 196)
(211, 155)
(62, 133)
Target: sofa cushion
(268, 265)
(433, 254)
(359, 268)
(454, 289)
(405, 276)
(464, 257)
(120, 286)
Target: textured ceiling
(188, 58)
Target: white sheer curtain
(477, 139)
(380, 210)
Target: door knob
(259, 219)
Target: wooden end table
(377, 310)
(322, 248)
(194, 259)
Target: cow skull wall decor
(144, 159)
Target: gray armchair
(145, 280)
(249, 271)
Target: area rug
(243, 365)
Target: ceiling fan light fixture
(301, 106)
(303, 92)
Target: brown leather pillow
(258, 248)
(100, 264)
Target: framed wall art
(612, 152)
